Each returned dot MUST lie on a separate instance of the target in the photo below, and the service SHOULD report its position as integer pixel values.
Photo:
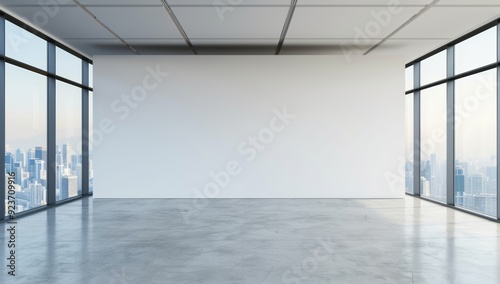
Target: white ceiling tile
(448, 22)
(66, 22)
(137, 22)
(347, 22)
(240, 22)
(233, 3)
(120, 2)
(34, 3)
(364, 2)
(468, 2)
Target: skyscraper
(459, 185)
(31, 168)
(18, 169)
(41, 153)
(9, 162)
(66, 155)
(59, 174)
(59, 158)
(20, 157)
(36, 194)
(491, 174)
(69, 187)
(39, 170)
(75, 161)
(477, 184)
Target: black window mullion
(450, 127)
(498, 121)
(51, 125)
(2, 115)
(416, 130)
(85, 129)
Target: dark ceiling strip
(104, 26)
(413, 18)
(179, 27)
(257, 5)
(293, 4)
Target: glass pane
(476, 51)
(68, 141)
(68, 65)
(24, 46)
(433, 142)
(475, 142)
(433, 68)
(91, 75)
(409, 143)
(26, 135)
(91, 141)
(409, 78)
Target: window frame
(51, 76)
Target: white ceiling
(255, 26)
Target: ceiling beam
(413, 18)
(104, 25)
(293, 4)
(178, 25)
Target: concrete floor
(254, 241)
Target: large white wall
(188, 134)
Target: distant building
(459, 185)
(69, 186)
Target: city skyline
(30, 168)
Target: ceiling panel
(234, 3)
(448, 22)
(346, 22)
(241, 22)
(120, 2)
(68, 22)
(137, 22)
(33, 3)
(363, 2)
(468, 2)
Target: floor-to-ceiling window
(44, 93)
(91, 141)
(68, 141)
(26, 135)
(433, 143)
(475, 143)
(457, 120)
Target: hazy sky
(475, 100)
(26, 93)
